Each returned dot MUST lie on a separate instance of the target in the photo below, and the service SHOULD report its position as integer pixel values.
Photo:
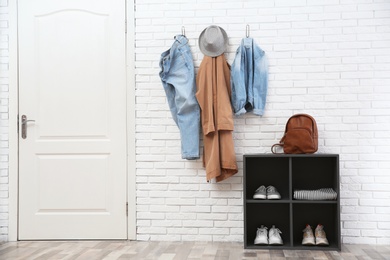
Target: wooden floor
(95, 250)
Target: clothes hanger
(247, 31)
(183, 31)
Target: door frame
(13, 168)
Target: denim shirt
(249, 78)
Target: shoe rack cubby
(287, 172)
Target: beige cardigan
(213, 95)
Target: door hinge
(127, 209)
(17, 124)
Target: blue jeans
(178, 78)
(249, 78)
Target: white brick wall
(330, 59)
(4, 60)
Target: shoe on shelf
(272, 193)
(260, 193)
(274, 237)
(261, 236)
(321, 236)
(308, 237)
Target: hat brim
(220, 49)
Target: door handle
(24, 126)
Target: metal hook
(247, 31)
(183, 31)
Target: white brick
(279, 3)
(236, 231)
(307, 10)
(166, 223)
(163, 193)
(375, 217)
(214, 216)
(375, 233)
(359, 210)
(383, 241)
(381, 14)
(383, 210)
(197, 194)
(349, 217)
(180, 216)
(291, 18)
(324, 16)
(229, 209)
(229, 223)
(323, 2)
(149, 215)
(179, 202)
(349, 201)
(376, 187)
(182, 231)
(385, 225)
(236, 216)
(358, 240)
(359, 225)
(358, 179)
(357, 15)
(198, 223)
(164, 208)
(350, 232)
(183, 186)
(213, 231)
(152, 230)
(196, 208)
(308, 24)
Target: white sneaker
(260, 193)
(321, 239)
(272, 193)
(261, 236)
(308, 237)
(274, 237)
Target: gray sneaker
(274, 237)
(308, 236)
(321, 236)
(272, 193)
(260, 193)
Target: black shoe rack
(287, 172)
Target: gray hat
(213, 41)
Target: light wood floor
(96, 250)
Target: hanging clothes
(213, 95)
(178, 79)
(249, 79)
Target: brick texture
(327, 58)
(4, 87)
(330, 59)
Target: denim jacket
(249, 78)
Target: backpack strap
(273, 148)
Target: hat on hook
(213, 41)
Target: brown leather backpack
(300, 136)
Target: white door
(72, 82)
